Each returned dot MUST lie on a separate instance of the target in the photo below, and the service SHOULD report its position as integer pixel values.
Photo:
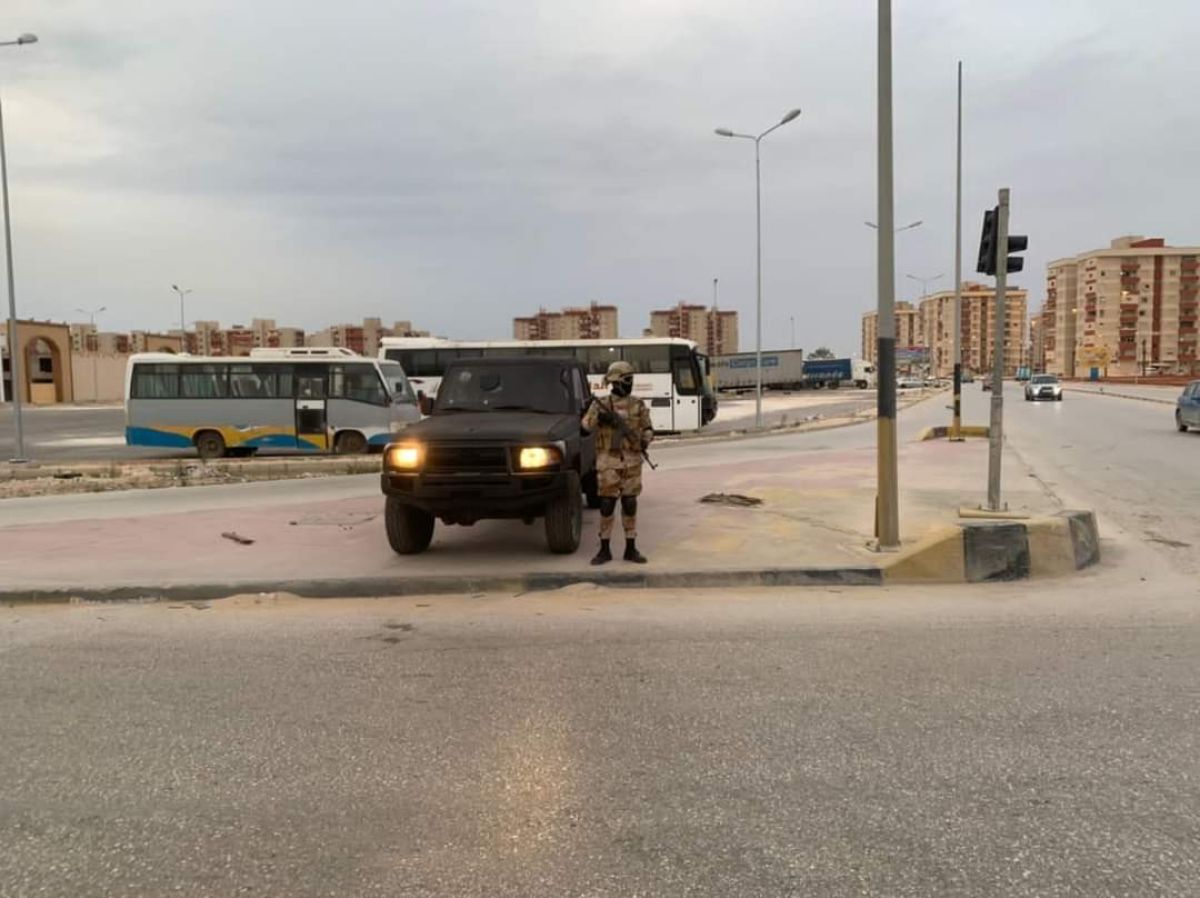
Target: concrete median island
(812, 526)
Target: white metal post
(14, 349)
(956, 422)
(758, 284)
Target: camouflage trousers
(618, 482)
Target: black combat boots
(632, 553)
(604, 556)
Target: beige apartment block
(593, 322)
(144, 341)
(1125, 310)
(909, 330)
(978, 329)
(715, 331)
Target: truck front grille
(466, 459)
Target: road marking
(83, 441)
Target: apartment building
(1125, 310)
(715, 331)
(364, 338)
(83, 337)
(909, 330)
(145, 341)
(978, 329)
(593, 322)
(1037, 342)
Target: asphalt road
(1121, 457)
(1025, 739)
(73, 433)
(1013, 740)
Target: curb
(989, 551)
(942, 432)
(370, 587)
(282, 468)
(967, 552)
(787, 429)
(1121, 395)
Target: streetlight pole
(925, 282)
(182, 322)
(956, 419)
(907, 227)
(793, 320)
(92, 313)
(887, 501)
(14, 354)
(725, 132)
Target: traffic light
(987, 246)
(987, 242)
(1016, 244)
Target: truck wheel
(564, 518)
(210, 444)
(591, 490)
(409, 530)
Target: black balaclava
(622, 387)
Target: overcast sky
(460, 162)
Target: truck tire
(210, 444)
(564, 517)
(591, 490)
(409, 530)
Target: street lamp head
(724, 132)
(27, 38)
(791, 116)
(174, 286)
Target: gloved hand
(607, 418)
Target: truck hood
(494, 427)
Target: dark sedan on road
(1187, 407)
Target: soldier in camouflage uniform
(621, 423)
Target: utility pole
(956, 420)
(996, 428)
(887, 499)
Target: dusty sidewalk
(816, 511)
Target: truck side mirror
(425, 403)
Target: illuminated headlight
(533, 457)
(405, 457)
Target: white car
(1043, 386)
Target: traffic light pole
(996, 428)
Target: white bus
(310, 400)
(669, 374)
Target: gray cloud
(462, 162)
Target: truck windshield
(485, 388)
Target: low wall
(99, 377)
